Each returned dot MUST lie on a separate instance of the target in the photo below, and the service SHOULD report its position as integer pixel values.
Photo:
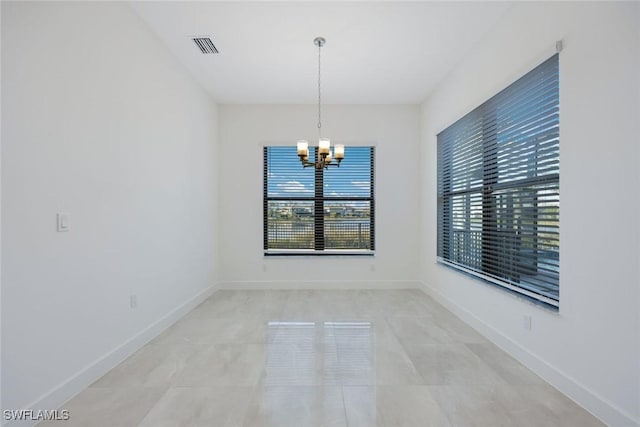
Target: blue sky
(287, 177)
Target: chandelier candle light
(324, 157)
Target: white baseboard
(319, 284)
(600, 407)
(59, 395)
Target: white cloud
(294, 187)
(365, 185)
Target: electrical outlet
(526, 322)
(133, 300)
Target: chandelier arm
(305, 163)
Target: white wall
(590, 349)
(0, 216)
(395, 131)
(101, 122)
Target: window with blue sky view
(311, 210)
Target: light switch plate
(63, 221)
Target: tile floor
(322, 358)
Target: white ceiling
(376, 52)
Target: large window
(499, 191)
(318, 211)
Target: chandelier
(325, 156)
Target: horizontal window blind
(310, 210)
(498, 187)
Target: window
(498, 188)
(318, 211)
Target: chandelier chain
(319, 95)
(323, 154)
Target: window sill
(308, 252)
(538, 300)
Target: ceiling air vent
(205, 45)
